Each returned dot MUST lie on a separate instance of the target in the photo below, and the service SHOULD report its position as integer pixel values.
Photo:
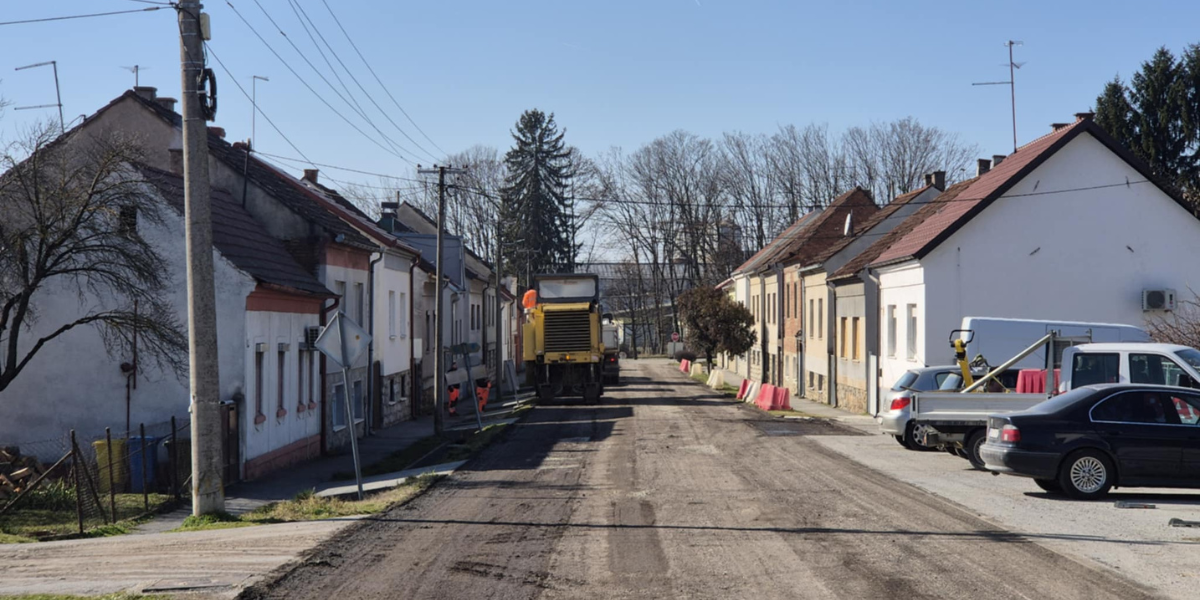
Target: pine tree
(535, 207)
(1116, 116)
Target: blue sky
(616, 73)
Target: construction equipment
(563, 350)
(612, 350)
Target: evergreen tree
(1116, 116)
(536, 210)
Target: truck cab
(612, 351)
(562, 347)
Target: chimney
(937, 179)
(1057, 126)
(982, 166)
(167, 103)
(240, 146)
(146, 91)
(310, 175)
(218, 131)
(1084, 116)
(997, 159)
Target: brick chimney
(982, 166)
(167, 103)
(218, 131)
(997, 159)
(937, 179)
(1057, 126)
(146, 91)
(310, 175)
(1084, 116)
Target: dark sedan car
(1088, 440)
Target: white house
(1070, 227)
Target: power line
(297, 6)
(310, 88)
(396, 147)
(208, 48)
(378, 80)
(64, 18)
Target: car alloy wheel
(1088, 474)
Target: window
(842, 339)
(403, 386)
(339, 406)
(358, 401)
(391, 314)
(911, 338)
(281, 369)
(891, 330)
(258, 384)
(312, 374)
(1089, 369)
(300, 360)
(1188, 408)
(821, 318)
(810, 379)
(1137, 407)
(854, 339)
(358, 303)
(403, 314)
(1155, 369)
(391, 391)
(812, 327)
(820, 383)
(339, 288)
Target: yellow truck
(563, 350)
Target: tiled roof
(241, 239)
(775, 246)
(826, 235)
(283, 188)
(868, 256)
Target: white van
(1000, 339)
(1156, 364)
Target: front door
(1143, 430)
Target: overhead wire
(378, 80)
(297, 6)
(310, 88)
(84, 16)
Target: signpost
(344, 342)
(675, 337)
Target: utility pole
(208, 490)
(1012, 85)
(497, 321)
(439, 357)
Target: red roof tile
(885, 240)
(825, 237)
(774, 246)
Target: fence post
(75, 478)
(112, 485)
(175, 461)
(145, 488)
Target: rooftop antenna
(1011, 83)
(135, 69)
(254, 79)
(62, 126)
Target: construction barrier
(716, 379)
(752, 392)
(697, 370)
(742, 389)
(782, 399)
(684, 365)
(765, 397)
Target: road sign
(330, 340)
(675, 337)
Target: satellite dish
(848, 230)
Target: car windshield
(906, 380)
(1190, 356)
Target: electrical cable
(378, 80)
(64, 18)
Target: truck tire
(973, 446)
(910, 439)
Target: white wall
(330, 276)
(72, 382)
(392, 325)
(292, 425)
(1078, 256)
(901, 286)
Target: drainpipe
(412, 334)
(370, 399)
(874, 280)
(831, 303)
(324, 427)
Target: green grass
(307, 506)
(701, 377)
(45, 517)
(118, 596)
(396, 461)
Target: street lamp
(254, 100)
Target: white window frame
(911, 326)
(891, 333)
(392, 314)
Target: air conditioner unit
(1158, 300)
(310, 337)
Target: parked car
(1088, 440)
(897, 420)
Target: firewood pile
(17, 472)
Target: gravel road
(664, 491)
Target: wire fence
(71, 485)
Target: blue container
(135, 462)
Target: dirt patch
(801, 427)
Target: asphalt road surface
(666, 491)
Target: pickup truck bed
(956, 413)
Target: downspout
(370, 399)
(780, 302)
(831, 302)
(762, 310)
(873, 280)
(324, 427)
(412, 334)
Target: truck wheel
(1086, 474)
(973, 446)
(912, 439)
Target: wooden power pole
(439, 357)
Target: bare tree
(1182, 326)
(71, 208)
(890, 159)
(754, 204)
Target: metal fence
(93, 482)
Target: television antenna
(135, 69)
(1011, 83)
(57, 93)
